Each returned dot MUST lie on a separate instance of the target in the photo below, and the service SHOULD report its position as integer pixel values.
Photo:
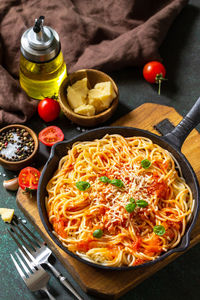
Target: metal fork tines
(36, 278)
(39, 251)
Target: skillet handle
(182, 130)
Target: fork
(34, 278)
(40, 252)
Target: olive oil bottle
(42, 67)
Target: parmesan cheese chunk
(101, 96)
(77, 93)
(6, 214)
(85, 109)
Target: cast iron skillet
(171, 142)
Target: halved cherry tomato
(28, 178)
(51, 135)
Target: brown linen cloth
(103, 34)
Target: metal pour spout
(38, 28)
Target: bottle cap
(40, 43)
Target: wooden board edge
(143, 106)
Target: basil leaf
(98, 233)
(141, 203)
(105, 179)
(132, 200)
(130, 207)
(159, 229)
(145, 163)
(117, 182)
(82, 185)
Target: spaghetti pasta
(118, 201)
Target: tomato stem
(159, 86)
(159, 78)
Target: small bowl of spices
(18, 146)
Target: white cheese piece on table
(6, 214)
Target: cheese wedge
(6, 214)
(77, 93)
(85, 109)
(101, 96)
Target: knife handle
(64, 281)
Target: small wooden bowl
(18, 165)
(93, 76)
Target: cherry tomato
(51, 135)
(154, 72)
(28, 178)
(48, 109)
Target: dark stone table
(181, 56)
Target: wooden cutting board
(113, 284)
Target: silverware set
(31, 254)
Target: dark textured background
(181, 56)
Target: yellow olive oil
(40, 80)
